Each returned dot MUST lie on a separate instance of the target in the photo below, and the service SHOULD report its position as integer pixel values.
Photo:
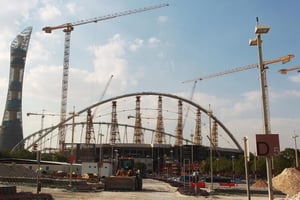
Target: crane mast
(68, 28)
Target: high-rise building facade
(11, 131)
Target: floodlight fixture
(253, 42)
(260, 29)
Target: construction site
(132, 141)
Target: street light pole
(71, 159)
(262, 72)
(296, 150)
(246, 160)
(233, 169)
(263, 83)
(209, 112)
(39, 154)
(100, 165)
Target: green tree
(285, 159)
(5, 154)
(23, 154)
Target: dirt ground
(152, 189)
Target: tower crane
(285, 71)
(68, 28)
(90, 134)
(282, 59)
(42, 119)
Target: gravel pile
(288, 182)
(260, 184)
(8, 170)
(295, 197)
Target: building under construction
(162, 155)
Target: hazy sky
(155, 51)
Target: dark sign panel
(267, 144)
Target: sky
(156, 51)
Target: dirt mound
(26, 196)
(192, 192)
(10, 170)
(260, 184)
(288, 181)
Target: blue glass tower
(11, 131)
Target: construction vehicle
(126, 177)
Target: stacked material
(288, 181)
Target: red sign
(267, 144)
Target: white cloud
(13, 8)
(136, 44)
(295, 79)
(294, 93)
(37, 50)
(43, 82)
(3, 83)
(49, 12)
(110, 59)
(72, 8)
(237, 108)
(153, 41)
(13, 13)
(162, 19)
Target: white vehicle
(105, 170)
(89, 168)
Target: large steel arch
(49, 130)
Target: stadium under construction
(157, 150)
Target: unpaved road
(152, 190)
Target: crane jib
(49, 29)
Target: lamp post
(262, 72)
(192, 149)
(38, 148)
(217, 170)
(232, 163)
(296, 150)
(116, 160)
(100, 164)
(259, 29)
(72, 158)
(209, 112)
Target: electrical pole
(296, 150)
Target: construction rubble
(288, 182)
